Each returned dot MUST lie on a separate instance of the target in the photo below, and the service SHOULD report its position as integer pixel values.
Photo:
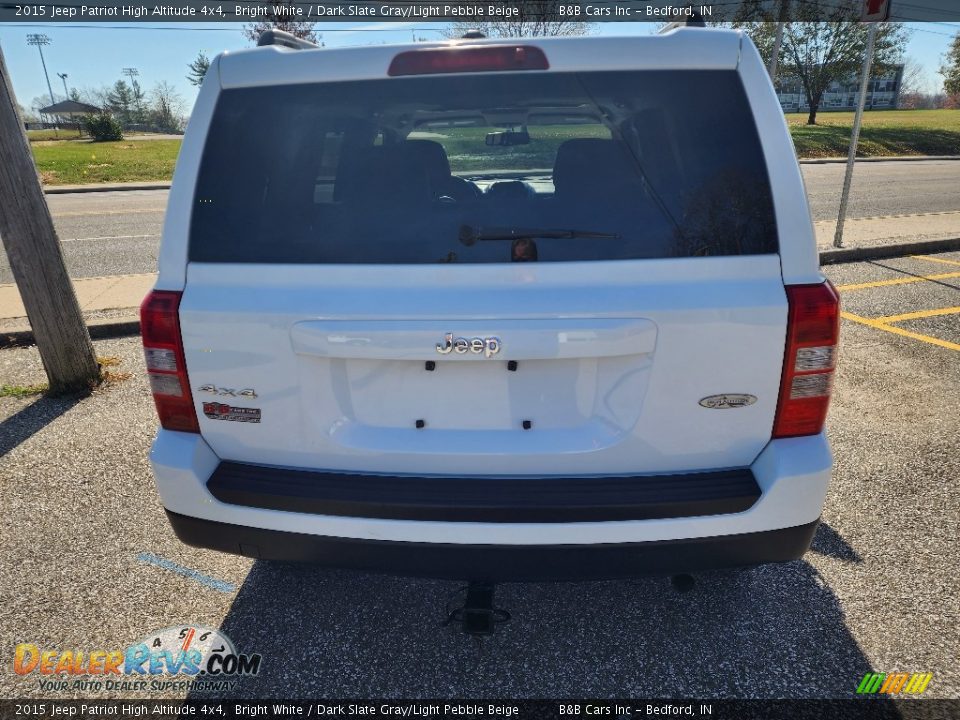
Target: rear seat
(412, 172)
(598, 186)
(590, 170)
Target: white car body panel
(707, 326)
(629, 347)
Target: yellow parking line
(897, 281)
(899, 331)
(918, 314)
(935, 259)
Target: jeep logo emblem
(489, 346)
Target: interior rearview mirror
(508, 137)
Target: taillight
(813, 327)
(468, 59)
(166, 367)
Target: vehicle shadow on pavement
(828, 541)
(22, 425)
(775, 631)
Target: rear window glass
(488, 168)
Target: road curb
(98, 331)
(878, 252)
(882, 158)
(116, 187)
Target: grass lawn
(36, 135)
(884, 132)
(75, 163)
(467, 150)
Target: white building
(883, 93)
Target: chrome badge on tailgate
(725, 402)
(489, 346)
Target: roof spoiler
(284, 39)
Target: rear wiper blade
(470, 235)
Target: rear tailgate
(323, 304)
(611, 384)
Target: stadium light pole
(39, 39)
(66, 93)
(132, 72)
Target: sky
(94, 54)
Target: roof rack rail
(695, 19)
(284, 39)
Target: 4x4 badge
(228, 392)
(725, 402)
(489, 346)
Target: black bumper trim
(500, 563)
(497, 500)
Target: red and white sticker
(222, 411)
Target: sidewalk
(111, 304)
(872, 238)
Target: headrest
(594, 166)
(432, 156)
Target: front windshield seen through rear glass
(496, 167)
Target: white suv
(492, 309)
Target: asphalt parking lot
(90, 563)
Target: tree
(951, 68)
(914, 93)
(120, 101)
(102, 127)
(819, 52)
(75, 95)
(138, 99)
(198, 69)
(166, 111)
(281, 21)
(28, 116)
(534, 19)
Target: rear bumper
(501, 563)
(485, 500)
(771, 522)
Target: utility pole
(855, 136)
(778, 40)
(36, 258)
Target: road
(884, 188)
(118, 232)
(878, 591)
